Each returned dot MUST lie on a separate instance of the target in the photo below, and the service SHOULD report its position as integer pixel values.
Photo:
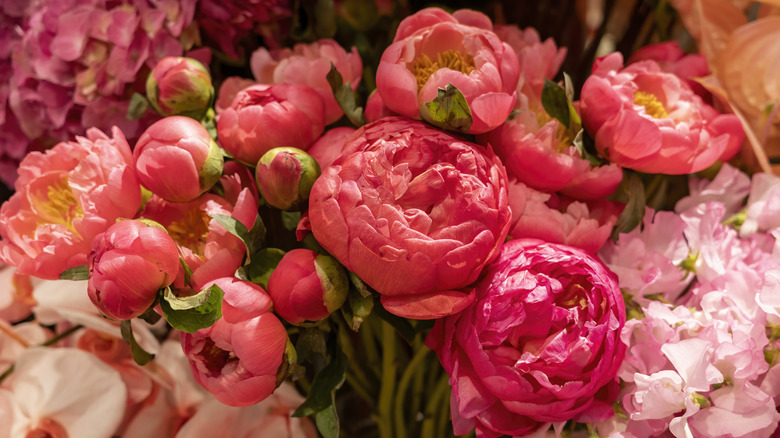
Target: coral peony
(240, 357)
(328, 147)
(651, 121)
(414, 212)
(432, 49)
(63, 199)
(285, 176)
(539, 344)
(179, 85)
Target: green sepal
(140, 356)
(76, 273)
(190, 314)
(631, 191)
(345, 97)
(139, 104)
(555, 102)
(448, 110)
(261, 267)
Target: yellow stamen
(561, 135)
(191, 230)
(59, 207)
(653, 107)
(423, 67)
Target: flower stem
(403, 385)
(8, 330)
(62, 336)
(388, 381)
(434, 405)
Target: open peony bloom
(651, 121)
(539, 344)
(239, 357)
(414, 212)
(432, 49)
(63, 199)
(128, 264)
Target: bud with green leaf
(285, 176)
(180, 86)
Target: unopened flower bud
(180, 86)
(307, 286)
(285, 176)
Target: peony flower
(285, 175)
(673, 60)
(307, 286)
(177, 160)
(16, 300)
(179, 85)
(376, 108)
(414, 212)
(651, 121)
(309, 64)
(63, 199)
(539, 344)
(241, 359)
(328, 147)
(263, 117)
(128, 264)
(432, 49)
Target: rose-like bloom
(539, 344)
(285, 176)
(64, 198)
(241, 358)
(263, 117)
(432, 49)
(309, 64)
(307, 286)
(651, 121)
(179, 85)
(414, 212)
(128, 264)
(177, 160)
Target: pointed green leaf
(324, 386)
(358, 310)
(345, 97)
(327, 421)
(261, 267)
(555, 103)
(359, 285)
(253, 239)
(206, 311)
(138, 106)
(77, 273)
(187, 272)
(632, 192)
(140, 356)
(448, 110)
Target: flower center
(561, 134)
(215, 358)
(653, 107)
(58, 206)
(423, 67)
(190, 230)
(48, 428)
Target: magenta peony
(263, 117)
(651, 121)
(239, 358)
(414, 212)
(63, 199)
(128, 264)
(432, 49)
(177, 160)
(539, 344)
(307, 286)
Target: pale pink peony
(128, 264)
(309, 64)
(540, 343)
(651, 121)
(729, 187)
(263, 117)
(414, 212)
(63, 199)
(16, 295)
(432, 49)
(241, 358)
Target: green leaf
(555, 102)
(253, 239)
(345, 97)
(138, 106)
(358, 310)
(261, 267)
(77, 273)
(581, 143)
(206, 311)
(187, 272)
(140, 356)
(632, 192)
(359, 285)
(448, 110)
(327, 421)
(150, 316)
(323, 387)
(290, 219)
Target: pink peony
(673, 60)
(309, 64)
(651, 121)
(241, 358)
(128, 264)
(63, 199)
(176, 159)
(328, 147)
(432, 49)
(179, 85)
(263, 117)
(539, 344)
(414, 212)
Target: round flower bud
(285, 176)
(177, 160)
(128, 264)
(307, 286)
(180, 86)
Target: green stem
(7, 373)
(62, 336)
(388, 381)
(355, 365)
(434, 404)
(403, 385)
(362, 391)
(369, 342)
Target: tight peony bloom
(539, 344)
(651, 121)
(432, 49)
(128, 264)
(309, 64)
(177, 160)
(263, 117)
(285, 176)
(241, 358)
(64, 198)
(414, 212)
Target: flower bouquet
(381, 219)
